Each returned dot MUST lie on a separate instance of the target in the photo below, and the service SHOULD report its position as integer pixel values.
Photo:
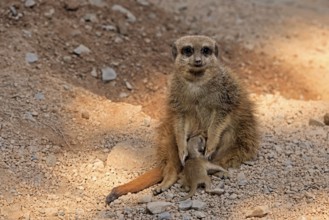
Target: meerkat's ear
(174, 50)
(216, 50)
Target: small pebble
(31, 57)
(30, 3)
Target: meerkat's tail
(190, 193)
(144, 181)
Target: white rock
(29, 3)
(81, 49)
(185, 205)
(157, 207)
(31, 57)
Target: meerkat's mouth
(197, 72)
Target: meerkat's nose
(197, 60)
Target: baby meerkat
(195, 171)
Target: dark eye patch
(187, 51)
(207, 51)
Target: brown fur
(195, 171)
(204, 96)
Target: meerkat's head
(194, 55)
(196, 146)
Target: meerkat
(195, 171)
(203, 96)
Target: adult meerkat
(204, 96)
(195, 171)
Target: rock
(30, 3)
(313, 122)
(27, 34)
(217, 191)
(131, 18)
(108, 74)
(39, 96)
(259, 211)
(164, 216)
(13, 10)
(118, 40)
(31, 57)
(49, 14)
(51, 160)
(233, 196)
(186, 217)
(199, 214)
(123, 95)
(129, 86)
(72, 5)
(91, 18)
(98, 3)
(67, 59)
(81, 49)
(145, 198)
(309, 195)
(109, 28)
(198, 205)
(185, 205)
(241, 179)
(143, 2)
(94, 72)
(157, 207)
(326, 119)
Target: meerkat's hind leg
(214, 167)
(170, 177)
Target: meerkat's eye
(206, 51)
(187, 51)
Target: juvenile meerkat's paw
(221, 174)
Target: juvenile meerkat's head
(194, 55)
